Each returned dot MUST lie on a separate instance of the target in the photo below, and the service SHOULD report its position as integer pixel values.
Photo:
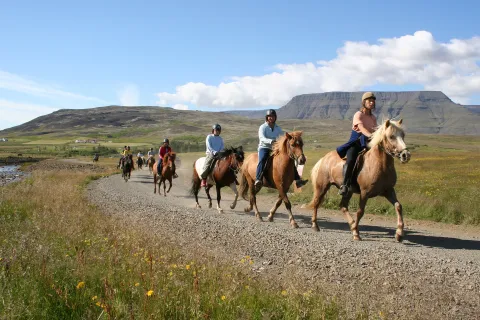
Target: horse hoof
(209, 206)
(259, 219)
(315, 227)
(357, 238)
(232, 206)
(247, 209)
(270, 218)
(220, 211)
(398, 237)
(294, 225)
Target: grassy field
(60, 258)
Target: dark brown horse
(223, 174)
(139, 163)
(278, 175)
(376, 177)
(168, 167)
(127, 167)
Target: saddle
(356, 170)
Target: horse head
(169, 157)
(239, 156)
(390, 136)
(292, 145)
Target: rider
(364, 124)
(214, 144)
(125, 153)
(268, 134)
(151, 154)
(164, 149)
(121, 158)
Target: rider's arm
(262, 136)
(364, 130)
(208, 143)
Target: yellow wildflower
(187, 267)
(242, 261)
(137, 284)
(80, 285)
(149, 293)
(284, 292)
(94, 298)
(223, 298)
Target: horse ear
(387, 124)
(288, 135)
(240, 148)
(400, 121)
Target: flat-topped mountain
(423, 111)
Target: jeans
(159, 166)
(263, 154)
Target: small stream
(10, 173)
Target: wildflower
(247, 286)
(170, 273)
(187, 267)
(284, 292)
(149, 293)
(242, 261)
(80, 285)
(251, 261)
(223, 298)
(137, 284)
(94, 298)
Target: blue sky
(224, 55)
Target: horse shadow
(412, 237)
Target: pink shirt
(369, 122)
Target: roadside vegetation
(61, 258)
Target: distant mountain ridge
(422, 111)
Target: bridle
(291, 154)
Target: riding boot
(345, 187)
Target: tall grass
(60, 258)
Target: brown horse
(279, 174)
(223, 174)
(139, 163)
(151, 163)
(376, 175)
(168, 167)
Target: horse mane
(281, 145)
(225, 152)
(170, 155)
(381, 131)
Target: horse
(168, 166)
(376, 175)
(150, 164)
(127, 167)
(224, 174)
(279, 173)
(139, 162)
(96, 157)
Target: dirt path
(433, 274)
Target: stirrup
(300, 183)
(343, 190)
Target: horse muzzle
(302, 159)
(404, 156)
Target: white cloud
(16, 113)
(180, 106)
(411, 59)
(13, 82)
(129, 95)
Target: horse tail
(313, 179)
(194, 186)
(243, 187)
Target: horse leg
(219, 197)
(164, 187)
(170, 185)
(274, 209)
(288, 205)
(233, 186)
(253, 202)
(392, 198)
(318, 196)
(154, 183)
(207, 191)
(250, 191)
(361, 210)
(344, 207)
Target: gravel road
(433, 274)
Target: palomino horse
(139, 163)
(376, 175)
(127, 167)
(279, 174)
(150, 164)
(223, 174)
(168, 167)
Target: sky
(229, 55)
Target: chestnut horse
(279, 174)
(376, 175)
(168, 167)
(151, 163)
(223, 174)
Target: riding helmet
(368, 95)
(271, 112)
(166, 140)
(217, 127)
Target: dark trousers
(159, 166)
(352, 155)
(263, 155)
